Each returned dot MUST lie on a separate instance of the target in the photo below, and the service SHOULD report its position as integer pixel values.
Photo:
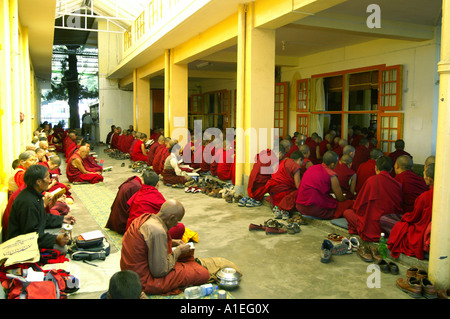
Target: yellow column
(259, 89)
(439, 262)
(15, 77)
(178, 100)
(167, 93)
(141, 107)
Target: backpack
(90, 252)
(19, 288)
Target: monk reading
(139, 150)
(346, 176)
(147, 250)
(314, 195)
(380, 195)
(407, 235)
(283, 185)
(171, 172)
(152, 150)
(76, 171)
(367, 169)
(120, 210)
(307, 163)
(412, 184)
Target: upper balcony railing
(156, 11)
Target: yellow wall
(19, 93)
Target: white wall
(419, 94)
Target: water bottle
(208, 289)
(196, 292)
(383, 246)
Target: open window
(281, 107)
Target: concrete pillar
(176, 90)
(141, 104)
(256, 89)
(439, 262)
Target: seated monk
(362, 154)
(26, 159)
(147, 249)
(139, 150)
(152, 150)
(225, 165)
(412, 184)
(399, 151)
(74, 147)
(160, 153)
(283, 184)
(312, 144)
(77, 172)
(53, 165)
(325, 146)
(90, 162)
(339, 147)
(262, 171)
(120, 210)
(41, 155)
(149, 200)
(346, 176)
(171, 172)
(314, 194)
(120, 140)
(407, 235)
(127, 141)
(208, 152)
(70, 144)
(28, 212)
(110, 134)
(380, 195)
(307, 163)
(367, 169)
(115, 137)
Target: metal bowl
(229, 278)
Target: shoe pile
(416, 284)
(280, 214)
(138, 167)
(273, 227)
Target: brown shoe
(421, 274)
(428, 289)
(443, 293)
(411, 272)
(411, 286)
(365, 254)
(375, 253)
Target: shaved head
(404, 162)
(171, 212)
(330, 158)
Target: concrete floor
(274, 266)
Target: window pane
(393, 74)
(384, 146)
(393, 122)
(384, 134)
(393, 135)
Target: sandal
(335, 237)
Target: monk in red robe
(76, 172)
(128, 140)
(314, 195)
(339, 147)
(139, 150)
(399, 151)
(380, 195)
(207, 156)
(408, 235)
(367, 169)
(307, 163)
(110, 134)
(26, 159)
(70, 144)
(159, 154)
(120, 210)
(346, 176)
(362, 154)
(284, 183)
(74, 147)
(152, 150)
(312, 144)
(53, 165)
(225, 164)
(147, 249)
(261, 173)
(412, 184)
(115, 137)
(325, 145)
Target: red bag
(31, 290)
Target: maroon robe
(120, 210)
(157, 159)
(412, 186)
(281, 186)
(408, 235)
(259, 175)
(148, 199)
(159, 167)
(381, 195)
(362, 155)
(114, 141)
(126, 143)
(208, 153)
(344, 173)
(134, 256)
(323, 147)
(225, 165)
(312, 148)
(365, 170)
(70, 147)
(291, 150)
(151, 153)
(394, 155)
(75, 175)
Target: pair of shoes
(335, 237)
(293, 228)
(274, 227)
(388, 267)
(417, 288)
(325, 255)
(276, 213)
(243, 201)
(352, 244)
(189, 183)
(192, 189)
(297, 219)
(252, 203)
(365, 254)
(443, 293)
(416, 272)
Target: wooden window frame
(399, 130)
(299, 126)
(284, 101)
(305, 93)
